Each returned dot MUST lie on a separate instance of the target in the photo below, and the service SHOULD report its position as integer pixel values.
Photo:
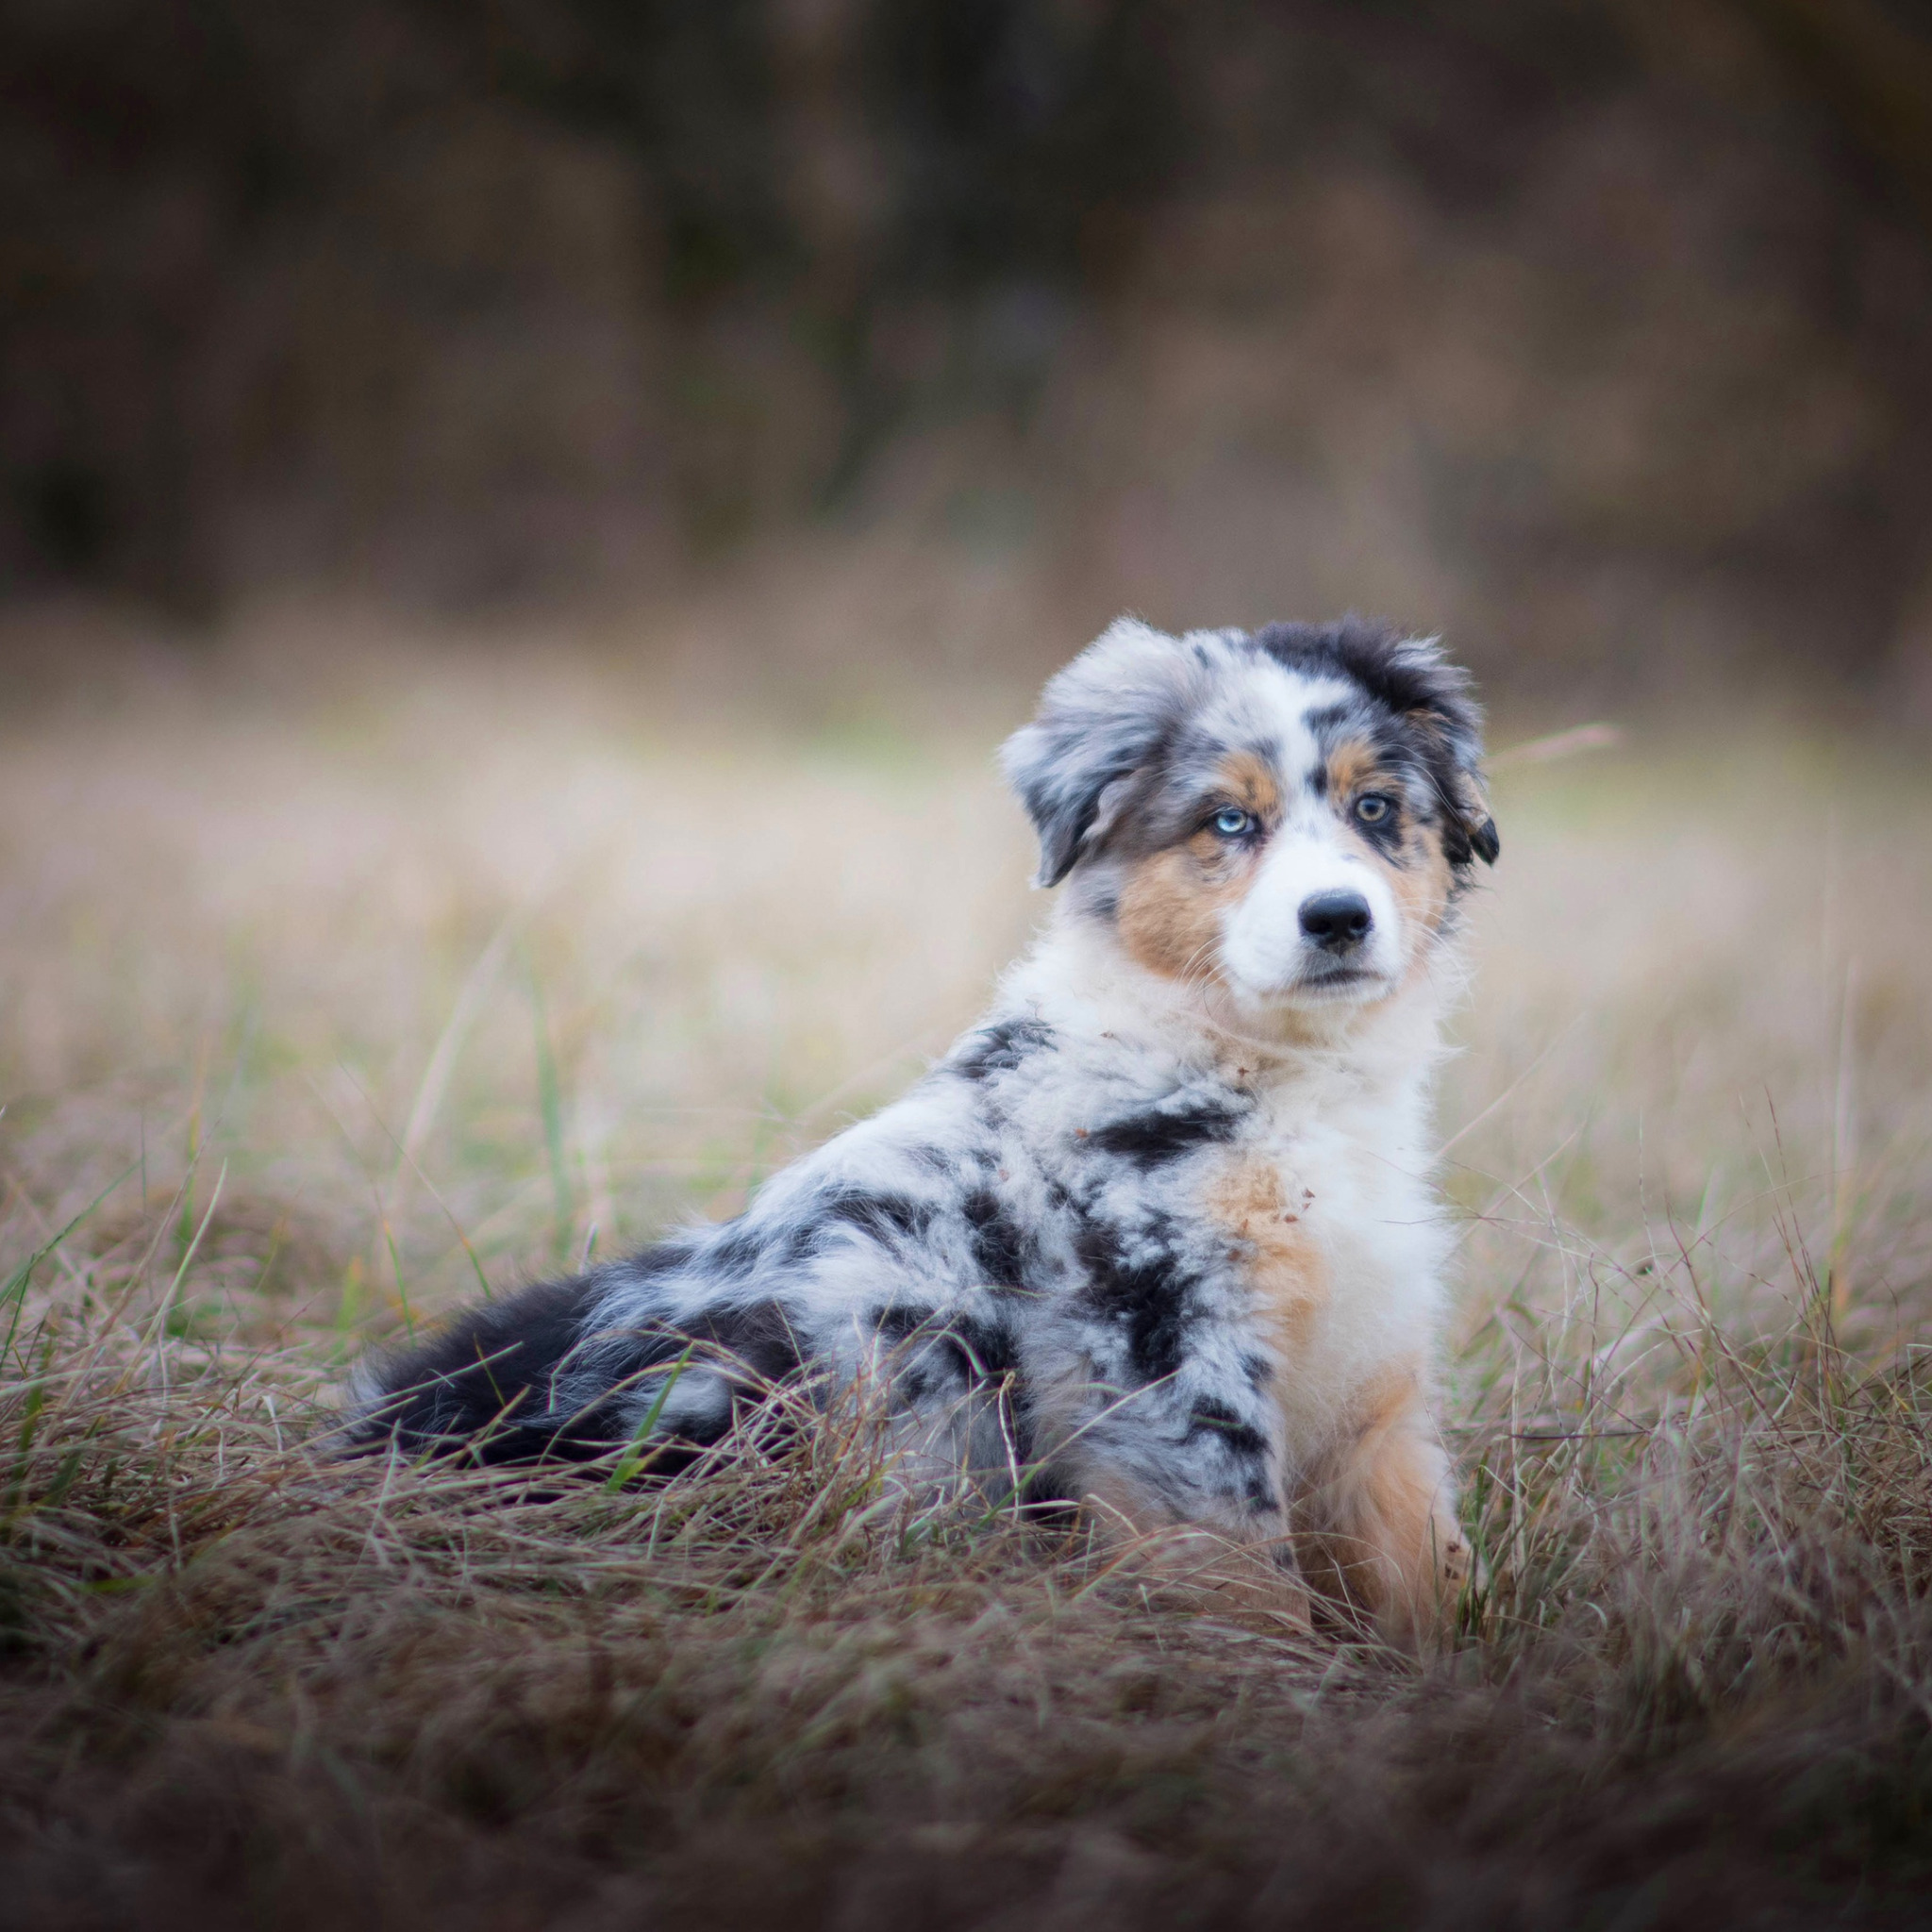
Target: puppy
(1156, 1236)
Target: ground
(328, 1001)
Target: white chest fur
(1364, 1281)
(1325, 1194)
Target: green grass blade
(15, 1289)
(550, 1099)
(634, 1455)
(188, 1258)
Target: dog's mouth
(1334, 984)
(1338, 982)
(1322, 1000)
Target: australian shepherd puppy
(1156, 1236)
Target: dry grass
(335, 1003)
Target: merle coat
(1156, 1234)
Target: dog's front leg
(1384, 1541)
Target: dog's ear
(1485, 841)
(1436, 698)
(1101, 719)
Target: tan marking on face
(1171, 901)
(1285, 1265)
(1421, 886)
(1353, 767)
(1250, 784)
(1170, 912)
(1420, 883)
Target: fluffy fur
(1156, 1236)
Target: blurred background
(833, 346)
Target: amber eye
(1231, 821)
(1371, 807)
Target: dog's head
(1291, 814)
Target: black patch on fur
(1149, 1140)
(886, 1218)
(738, 1249)
(1000, 1244)
(1001, 1048)
(482, 1385)
(985, 1350)
(1367, 653)
(960, 1351)
(982, 1351)
(753, 1347)
(899, 1323)
(760, 1336)
(1148, 1298)
(916, 1372)
(1216, 1417)
(805, 1240)
(1103, 903)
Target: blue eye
(1231, 822)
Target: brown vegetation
(334, 1003)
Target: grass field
(318, 1007)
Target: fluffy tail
(547, 1374)
(488, 1385)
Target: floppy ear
(1101, 719)
(1484, 843)
(1456, 725)
(1413, 677)
(1435, 697)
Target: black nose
(1336, 921)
